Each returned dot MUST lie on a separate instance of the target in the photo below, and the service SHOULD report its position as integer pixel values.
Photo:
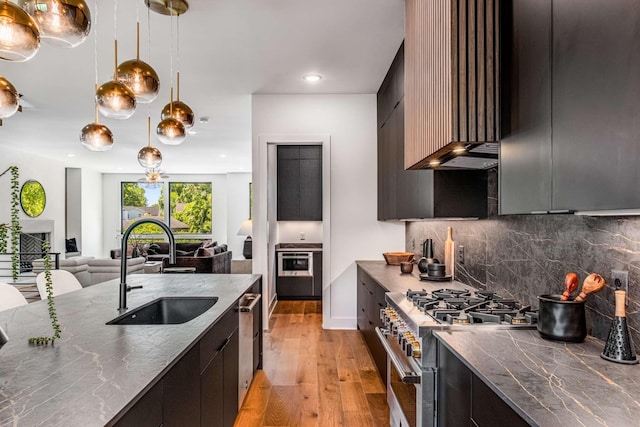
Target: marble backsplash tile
(529, 255)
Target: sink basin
(166, 311)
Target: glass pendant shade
(96, 137)
(149, 157)
(171, 131)
(179, 111)
(62, 23)
(115, 100)
(139, 76)
(19, 34)
(9, 99)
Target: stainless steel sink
(166, 311)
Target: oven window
(405, 396)
(295, 264)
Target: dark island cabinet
(465, 400)
(571, 112)
(299, 182)
(370, 302)
(219, 372)
(201, 389)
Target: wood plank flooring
(313, 377)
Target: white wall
(350, 121)
(237, 210)
(289, 231)
(91, 213)
(228, 191)
(51, 175)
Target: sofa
(204, 256)
(90, 271)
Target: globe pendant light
(62, 23)
(9, 99)
(96, 136)
(19, 34)
(139, 76)
(149, 157)
(171, 131)
(179, 110)
(115, 99)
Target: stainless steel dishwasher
(245, 372)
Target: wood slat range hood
(451, 83)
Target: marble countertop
(95, 370)
(391, 278)
(551, 383)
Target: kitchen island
(95, 372)
(547, 383)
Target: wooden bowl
(395, 258)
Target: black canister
(561, 320)
(427, 256)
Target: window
(189, 209)
(142, 200)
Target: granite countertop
(390, 277)
(95, 370)
(551, 383)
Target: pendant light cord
(178, 56)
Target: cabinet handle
(227, 341)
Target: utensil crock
(561, 320)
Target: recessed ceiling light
(204, 119)
(312, 78)
(71, 155)
(192, 132)
(222, 156)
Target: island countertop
(551, 383)
(94, 370)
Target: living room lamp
(245, 230)
(19, 33)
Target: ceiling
(229, 50)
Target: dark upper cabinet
(525, 154)
(407, 194)
(573, 87)
(596, 87)
(299, 183)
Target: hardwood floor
(313, 377)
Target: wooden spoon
(570, 285)
(593, 283)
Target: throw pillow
(153, 249)
(199, 252)
(224, 248)
(209, 244)
(71, 245)
(217, 249)
(184, 253)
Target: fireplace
(31, 247)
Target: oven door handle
(407, 374)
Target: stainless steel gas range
(412, 357)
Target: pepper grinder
(619, 347)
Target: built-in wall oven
(295, 264)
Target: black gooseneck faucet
(124, 288)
